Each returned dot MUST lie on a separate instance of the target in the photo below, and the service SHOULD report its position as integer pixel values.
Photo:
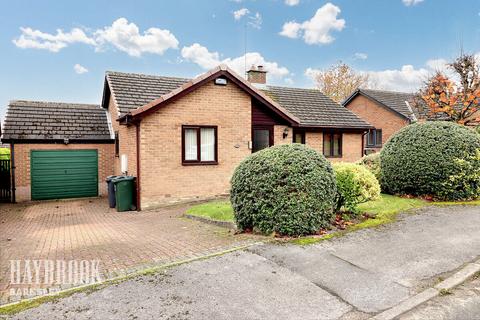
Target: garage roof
(48, 121)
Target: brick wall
(22, 164)
(378, 116)
(128, 141)
(351, 145)
(163, 177)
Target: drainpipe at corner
(12, 166)
(363, 143)
(137, 126)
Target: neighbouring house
(58, 150)
(181, 138)
(386, 111)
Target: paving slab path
(352, 277)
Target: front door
(262, 137)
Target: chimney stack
(257, 75)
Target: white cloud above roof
(80, 69)
(411, 2)
(122, 35)
(201, 56)
(292, 2)
(36, 39)
(126, 37)
(318, 29)
(238, 14)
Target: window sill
(210, 163)
(333, 157)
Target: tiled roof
(313, 108)
(310, 106)
(397, 101)
(36, 120)
(132, 90)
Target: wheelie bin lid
(110, 178)
(123, 178)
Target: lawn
(216, 210)
(385, 209)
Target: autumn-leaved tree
(455, 100)
(340, 80)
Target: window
(332, 145)
(117, 144)
(298, 136)
(374, 138)
(199, 145)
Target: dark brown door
(262, 137)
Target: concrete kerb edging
(451, 282)
(126, 277)
(224, 224)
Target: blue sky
(398, 42)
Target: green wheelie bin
(124, 193)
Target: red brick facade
(377, 115)
(163, 178)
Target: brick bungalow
(387, 111)
(181, 138)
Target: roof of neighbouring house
(315, 109)
(45, 121)
(134, 93)
(398, 102)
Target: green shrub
(355, 185)
(4, 153)
(372, 163)
(432, 158)
(287, 189)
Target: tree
(340, 80)
(459, 100)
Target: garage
(57, 174)
(58, 150)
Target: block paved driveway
(87, 229)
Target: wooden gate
(5, 181)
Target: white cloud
(201, 56)
(411, 2)
(292, 2)
(80, 69)
(126, 37)
(237, 15)
(360, 56)
(289, 81)
(291, 29)
(318, 29)
(255, 21)
(36, 39)
(407, 78)
(121, 34)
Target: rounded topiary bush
(355, 185)
(432, 158)
(287, 189)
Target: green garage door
(57, 174)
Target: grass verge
(215, 210)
